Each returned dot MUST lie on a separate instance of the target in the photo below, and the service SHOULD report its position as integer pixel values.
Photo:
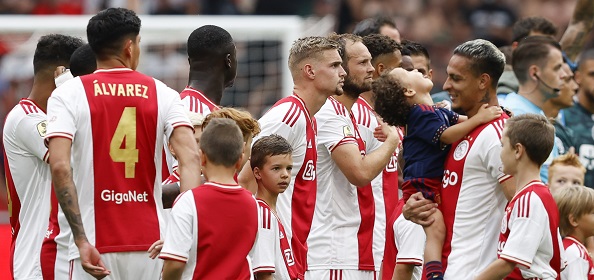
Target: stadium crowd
(360, 173)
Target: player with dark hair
(379, 24)
(25, 158)
(113, 122)
(83, 61)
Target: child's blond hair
(575, 201)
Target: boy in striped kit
(272, 162)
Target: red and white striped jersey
(405, 244)
(212, 229)
(342, 231)
(117, 119)
(385, 185)
(54, 250)
(28, 182)
(173, 178)
(194, 101)
(579, 261)
(290, 119)
(272, 251)
(473, 201)
(529, 234)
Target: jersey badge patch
(346, 131)
(42, 128)
(461, 150)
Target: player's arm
(509, 188)
(582, 21)
(170, 193)
(403, 271)
(183, 143)
(263, 276)
(456, 132)
(172, 270)
(66, 194)
(360, 170)
(496, 270)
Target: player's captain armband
(62, 78)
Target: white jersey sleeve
(264, 251)
(492, 160)
(182, 229)
(335, 131)
(60, 106)
(30, 132)
(272, 125)
(528, 224)
(175, 114)
(410, 241)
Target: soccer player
(197, 121)
(474, 188)
(576, 213)
(54, 250)
(317, 73)
(213, 67)
(25, 158)
(385, 56)
(565, 171)
(213, 227)
(113, 122)
(403, 99)
(341, 241)
(529, 243)
(272, 256)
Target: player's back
(117, 127)
(28, 182)
(227, 227)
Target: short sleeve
(492, 160)
(337, 130)
(181, 229)
(452, 116)
(271, 124)
(263, 253)
(410, 241)
(30, 132)
(61, 120)
(174, 113)
(528, 224)
(577, 267)
(427, 123)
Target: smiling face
(462, 85)
(275, 174)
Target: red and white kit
(579, 262)
(385, 185)
(28, 182)
(342, 232)
(473, 201)
(405, 244)
(272, 251)
(117, 119)
(212, 229)
(530, 234)
(290, 119)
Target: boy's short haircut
(573, 200)
(534, 132)
(247, 124)
(569, 159)
(270, 145)
(222, 142)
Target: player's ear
(309, 71)
(484, 81)
(238, 164)
(572, 220)
(380, 68)
(128, 47)
(257, 173)
(171, 150)
(409, 92)
(228, 60)
(519, 150)
(203, 157)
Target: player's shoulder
(287, 113)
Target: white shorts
(340, 274)
(123, 266)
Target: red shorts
(429, 187)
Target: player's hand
(155, 249)
(91, 261)
(59, 71)
(444, 104)
(390, 133)
(419, 209)
(488, 113)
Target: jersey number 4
(125, 134)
